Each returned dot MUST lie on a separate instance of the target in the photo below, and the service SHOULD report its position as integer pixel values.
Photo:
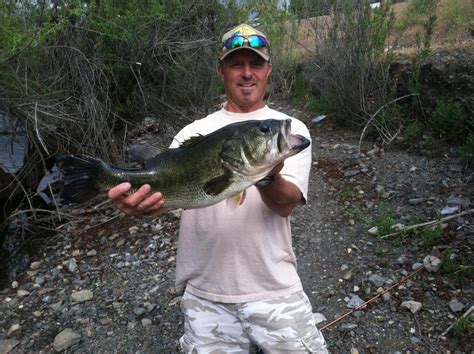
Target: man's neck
(230, 107)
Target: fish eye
(264, 128)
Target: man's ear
(270, 67)
(219, 70)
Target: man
(237, 266)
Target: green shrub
(467, 150)
(413, 132)
(461, 326)
(415, 14)
(447, 121)
(452, 265)
(432, 237)
(384, 220)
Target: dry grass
(445, 37)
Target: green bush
(413, 132)
(462, 326)
(467, 150)
(451, 265)
(447, 121)
(432, 236)
(415, 13)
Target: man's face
(245, 76)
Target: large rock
(82, 296)
(7, 345)
(66, 339)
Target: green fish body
(203, 171)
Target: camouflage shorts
(282, 325)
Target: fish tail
(80, 175)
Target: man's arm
(281, 196)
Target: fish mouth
(297, 142)
(293, 142)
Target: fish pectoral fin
(217, 185)
(236, 200)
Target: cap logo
(245, 31)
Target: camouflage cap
(244, 30)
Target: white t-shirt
(242, 254)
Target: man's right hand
(139, 203)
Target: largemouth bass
(202, 171)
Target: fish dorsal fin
(218, 184)
(192, 140)
(236, 200)
(141, 153)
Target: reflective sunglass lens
(257, 41)
(254, 41)
(234, 42)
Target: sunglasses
(254, 41)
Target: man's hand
(138, 203)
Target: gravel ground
(104, 282)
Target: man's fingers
(153, 202)
(119, 191)
(136, 198)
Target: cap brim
(263, 55)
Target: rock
(40, 280)
(82, 296)
(71, 265)
(66, 339)
(432, 263)
(355, 302)
(14, 330)
(92, 253)
(15, 284)
(456, 306)
(373, 230)
(417, 265)
(377, 280)
(35, 265)
(413, 306)
(7, 345)
(416, 201)
(138, 311)
(146, 322)
(22, 293)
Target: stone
(71, 265)
(432, 263)
(377, 280)
(355, 302)
(455, 305)
(22, 293)
(138, 311)
(82, 296)
(416, 265)
(66, 339)
(14, 330)
(146, 322)
(35, 265)
(7, 345)
(413, 306)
